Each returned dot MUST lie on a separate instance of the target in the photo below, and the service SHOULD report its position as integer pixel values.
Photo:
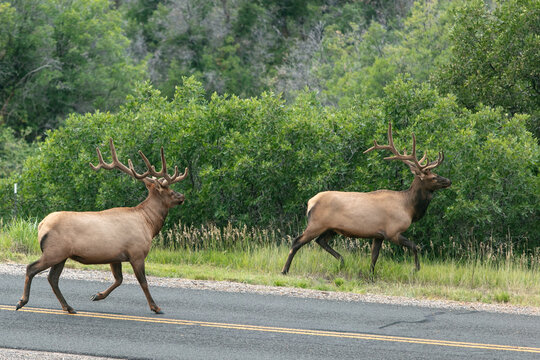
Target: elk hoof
(157, 310)
(70, 310)
(370, 277)
(19, 305)
(97, 297)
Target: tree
(60, 57)
(360, 59)
(494, 57)
(13, 152)
(26, 53)
(422, 44)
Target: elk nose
(446, 182)
(181, 197)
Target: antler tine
(113, 152)
(164, 178)
(115, 163)
(391, 140)
(375, 146)
(177, 178)
(435, 163)
(423, 158)
(171, 179)
(168, 179)
(417, 166)
(390, 145)
(163, 163)
(151, 169)
(413, 155)
(128, 170)
(406, 158)
(101, 163)
(137, 176)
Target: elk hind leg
(54, 276)
(138, 269)
(116, 269)
(375, 249)
(306, 237)
(403, 241)
(32, 270)
(323, 239)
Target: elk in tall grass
(380, 215)
(110, 236)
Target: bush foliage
(257, 161)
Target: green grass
(17, 239)
(256, 257)
(505, 282)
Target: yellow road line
(336, 334)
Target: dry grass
(466, 271)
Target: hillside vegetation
(269, 102)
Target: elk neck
(154, 212)
(418, 199)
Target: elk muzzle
(443, 182)
(178, 198)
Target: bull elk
(110, 236)
(380, 215)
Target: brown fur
(110, 236)
(382, 214)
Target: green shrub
(257, 161)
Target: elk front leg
(138, 269)
(116, 269)
(31, 270)
(322, 240)
(54, 276)
(403, 241)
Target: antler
(410, 160)
(165, 179)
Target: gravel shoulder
(227, 286)
(15, 354)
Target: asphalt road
(200, 324)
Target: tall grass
(230, 238)
(468, 270)
(19, 236)
(212, 237)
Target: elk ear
(149, 183)
(416, 172)
(162, 183)
(422, 175)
